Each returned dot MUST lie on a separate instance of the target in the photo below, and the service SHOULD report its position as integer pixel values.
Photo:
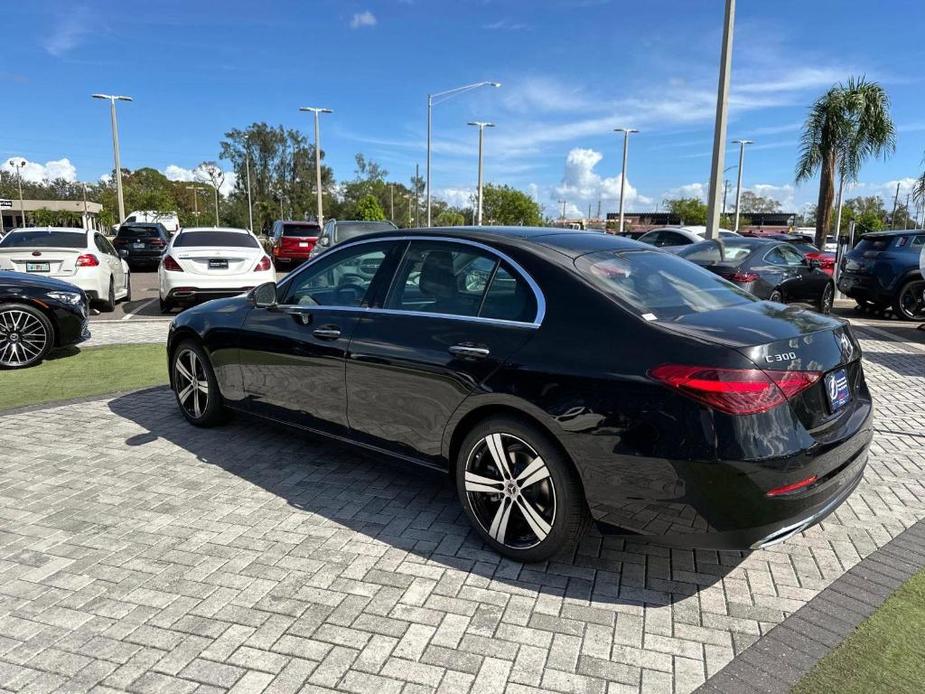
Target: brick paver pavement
(139, 553)
(127, 332)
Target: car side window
(102, 245)
(343, 279)
(670, 238)
(509, 297)
(918, 241)
(790, 255)
(650, 238)
(775, 257)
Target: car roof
(572, 243)
(74, 230)
(233, 229)
(891, 232)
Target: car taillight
(87, 260)
(263, 265)
(171, 265)
(158, 243)
(742, 277)
(735, 391)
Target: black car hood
(754, 323)
(21, 279)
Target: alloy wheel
(191, 383)
(23, 338)
(510, 491)
(828, 298)
(912, 301)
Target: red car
(825, 260)
(291, 242)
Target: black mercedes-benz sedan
(38, 314)
(557, 376)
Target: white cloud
(581, 183)
(69, 31)
(198, 175)
(457, 197)
(688, 190)
(544, 95)
(49, 171)
(505, 25)
(363, 19)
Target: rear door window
(659, 286)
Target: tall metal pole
(216, 206)
(430, 110)
(443, 96)
(626, 141)
(895, 206)
(117, 160)
(481, 125)
(195, 201)
(392, 202)
(22, 206)
(741, 144)
(320, 204)
(719, 132)
(250, 207)
(841, 190)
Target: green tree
(846, 125)
(449, 218)
(690, 210)
(751, 202)
(369, 209)
(867, 212)
(502, 204)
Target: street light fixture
(22, 206)
(626, 141)
(316, 110)
(115, 146)
(741, 144)
(438, 98)
(481, 125)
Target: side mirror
(264, 295)
(325, 241)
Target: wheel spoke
(498, 529)
(539, 526)
(478, 483)
(185, 393)
(533, 473)
(197, 410)
(203, 387)
(183, 371)
(496, 446)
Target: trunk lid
(61, 261)
(217, 262)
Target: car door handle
(327, 332)
(470, 351)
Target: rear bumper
(864, 288)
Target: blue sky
(571, 71)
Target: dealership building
(12, 211)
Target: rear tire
(166, 306)
(26, 336)
(128, 287)
(108, 305)
(827, 300)
(777, 296)
(195, 386)
(528, 522)
(909, 303)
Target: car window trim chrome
(299, 309)
(534, 287)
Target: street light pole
(741, 144)
(317, 111)
(441, 97)
(195, 190)
(626, 141)
(247, 170)
(115, 146)
(481, 125)
(719, 132)
(22, 206)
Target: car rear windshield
(659, 286)
(216, 238)
(301, 230)
(874, 244)
(709, 253)
(138, 232)
(44, 239)
(349, 230)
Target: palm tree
(846, 125)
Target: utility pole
(895, 205)
(417, 211)
(719, 132)
(317, 111)
(22, 206)
(392, 203)
(725, 189)
(195, 190)
(115, 146)
(626, 140)
(562, 202)
(741, 144)
(247, 168)
(598, 209)
(481, 125)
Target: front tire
(827, 300)
(195, 385)
(521, 494)
(109, 304)
(128, 287)
(26, 336)
(909, 303)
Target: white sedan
(207, 263)
(82, 257)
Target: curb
(25, 409)
(780, 659)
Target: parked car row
(557, 377)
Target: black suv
(337, 231)
(143, 243)
(883, 271)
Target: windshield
(301, 230)
(45, 239)
(149, 231)
(234, 239)
(709, 253)
(350, 230)
(659, 286)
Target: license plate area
(138, 245)
(38, 267)
(837, 389)
(218, 264)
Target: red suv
(291, 242)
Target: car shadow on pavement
(901, 363)
(405, 507)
